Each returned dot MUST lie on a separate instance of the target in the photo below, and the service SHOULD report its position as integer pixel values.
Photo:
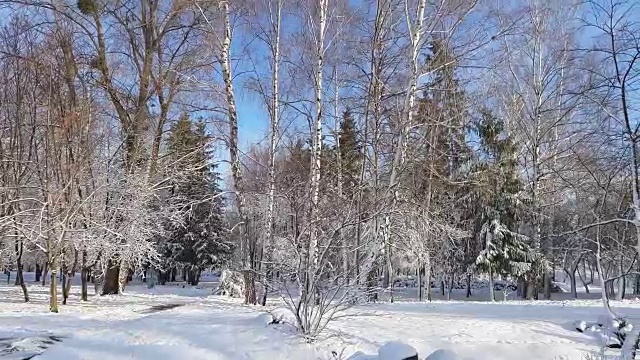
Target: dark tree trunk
(44, 273)
(20, 275)
(194, 276)
(184, 273)
(546, 286)
(64, 281)
(250, 283)
(111, 284)
(38, 272)
(468, 285)
(532, 290)
(419, 273)
(84, 273)
(174, 272)
(442, 287)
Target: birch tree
(540, 103)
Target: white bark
(317, 142)
(275, 104)
(415, 31)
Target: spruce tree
(201, 240)
(350, 153)
(505, 252)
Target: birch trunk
(275, 103)
(317, 146)
(400, 151)
(343, 241)
(246, 250)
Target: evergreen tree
(201, 240)
(505, 252)
(350, 152)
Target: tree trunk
(419, 276)
(20, 274)
(547, 285)
(273, 140)
(67, 287)
(249, 281)
(20, 278)
(572, 279)
(532, 289)
(38, 272)
(492, 295)
(468, 285)
(45, 272)
(53, 290)
(390, 272)
(84, 273)
(427, 277)
(174, 272)
(63, 282)
(110, 281)
(620, 293)
(194, 276)
(123, 277)
(521, 290)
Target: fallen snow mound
(25, 344)
(396, 350)
(392, 350)
(443, 354)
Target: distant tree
(350, 153)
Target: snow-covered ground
(203, 326)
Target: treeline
(442, 139)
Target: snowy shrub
(580, 325)
(283, 316)
(265, 318)
(231, 284)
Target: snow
(581, 325)
(176, 322)
(443, 354)
(396, 350)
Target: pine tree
(201, 240)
